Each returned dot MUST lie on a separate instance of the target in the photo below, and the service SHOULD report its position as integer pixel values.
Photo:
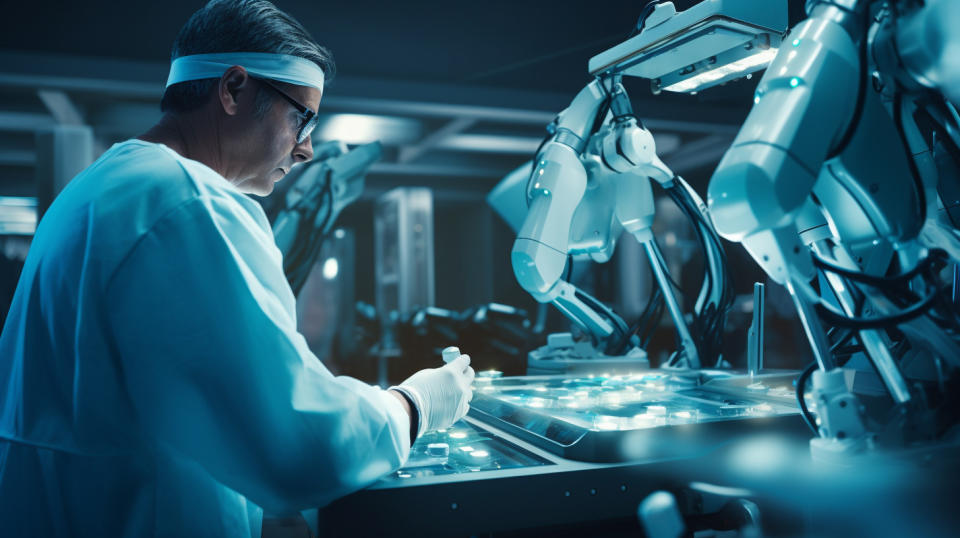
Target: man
(152, 379)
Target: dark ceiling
(527, 45)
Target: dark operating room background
(459, 93)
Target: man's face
(268, 146)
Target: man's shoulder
(143, 181)
(137, 168)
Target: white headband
(282, 67)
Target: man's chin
(260, 188)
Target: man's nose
(303, 151)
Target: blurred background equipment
(403, 239)
(403, 227)
(304, 211)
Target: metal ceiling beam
(485, 143)
(24, 121)
(103, 86)
(17, 157)
(436, 170)
(437, 137)
(395, 107)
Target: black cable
(842, 340)
(308, 214)
(666, 272)
(701, 320)
(840, 319)
(640, 327)
(619, 325)
(316, 243)
(801, 389)
(709, 323)
(711, 233)
(911, 162)
(861, 91)
(878, 281)
(642, 19)
(310, 238)
(678, 200)
(655, 318)
(601, 113)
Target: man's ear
(234, 82)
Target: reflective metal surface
(596, 417)
(463, 449)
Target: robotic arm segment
(625, 146)
(541, 248)
(554, 190)
(569, 302)
(929, 47)
(575, 122)
(763, 180)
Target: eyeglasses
(308, 118)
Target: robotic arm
(591, 183)
(588, 185)
(826, 180)
(555, 190)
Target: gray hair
(239, 26)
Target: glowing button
(794, 82)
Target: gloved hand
(442, 395)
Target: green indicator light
(796, 42)
(794, 82)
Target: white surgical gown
(152, 379)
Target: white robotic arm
(554, 191)
(822, 182)
(765, 178)
(585, 189)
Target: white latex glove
(442, 395)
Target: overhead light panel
(364, 128)
(711, 43)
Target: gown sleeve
(205, 331)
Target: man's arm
(218, 373)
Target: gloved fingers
(462, 410)
(467, 384)
(469, 375)
(459, 364)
